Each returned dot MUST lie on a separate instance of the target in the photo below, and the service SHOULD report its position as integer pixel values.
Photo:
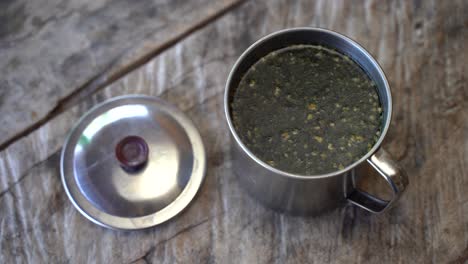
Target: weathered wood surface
(421, 47)
(51, 50)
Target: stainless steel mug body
(312, 194)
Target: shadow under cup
(303, 194)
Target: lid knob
(132, 153)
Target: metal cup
(313, 194)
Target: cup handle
(395, 176)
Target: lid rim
(175, 207)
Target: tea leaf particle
(277, 91)
(312, 106)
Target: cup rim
(294, 175)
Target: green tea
(307, 110)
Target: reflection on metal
(113, 196)
(112, 116)
(310, 194)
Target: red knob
(132, 153)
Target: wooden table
(58, 59)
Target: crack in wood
(462, 259)
(57, 110)
(145, 256)
(100, 80)
(429, 223)
(26, 174)
(7, 190)
(151, 250)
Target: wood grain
(53, 50)
(420, 46)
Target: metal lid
(132, 162)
